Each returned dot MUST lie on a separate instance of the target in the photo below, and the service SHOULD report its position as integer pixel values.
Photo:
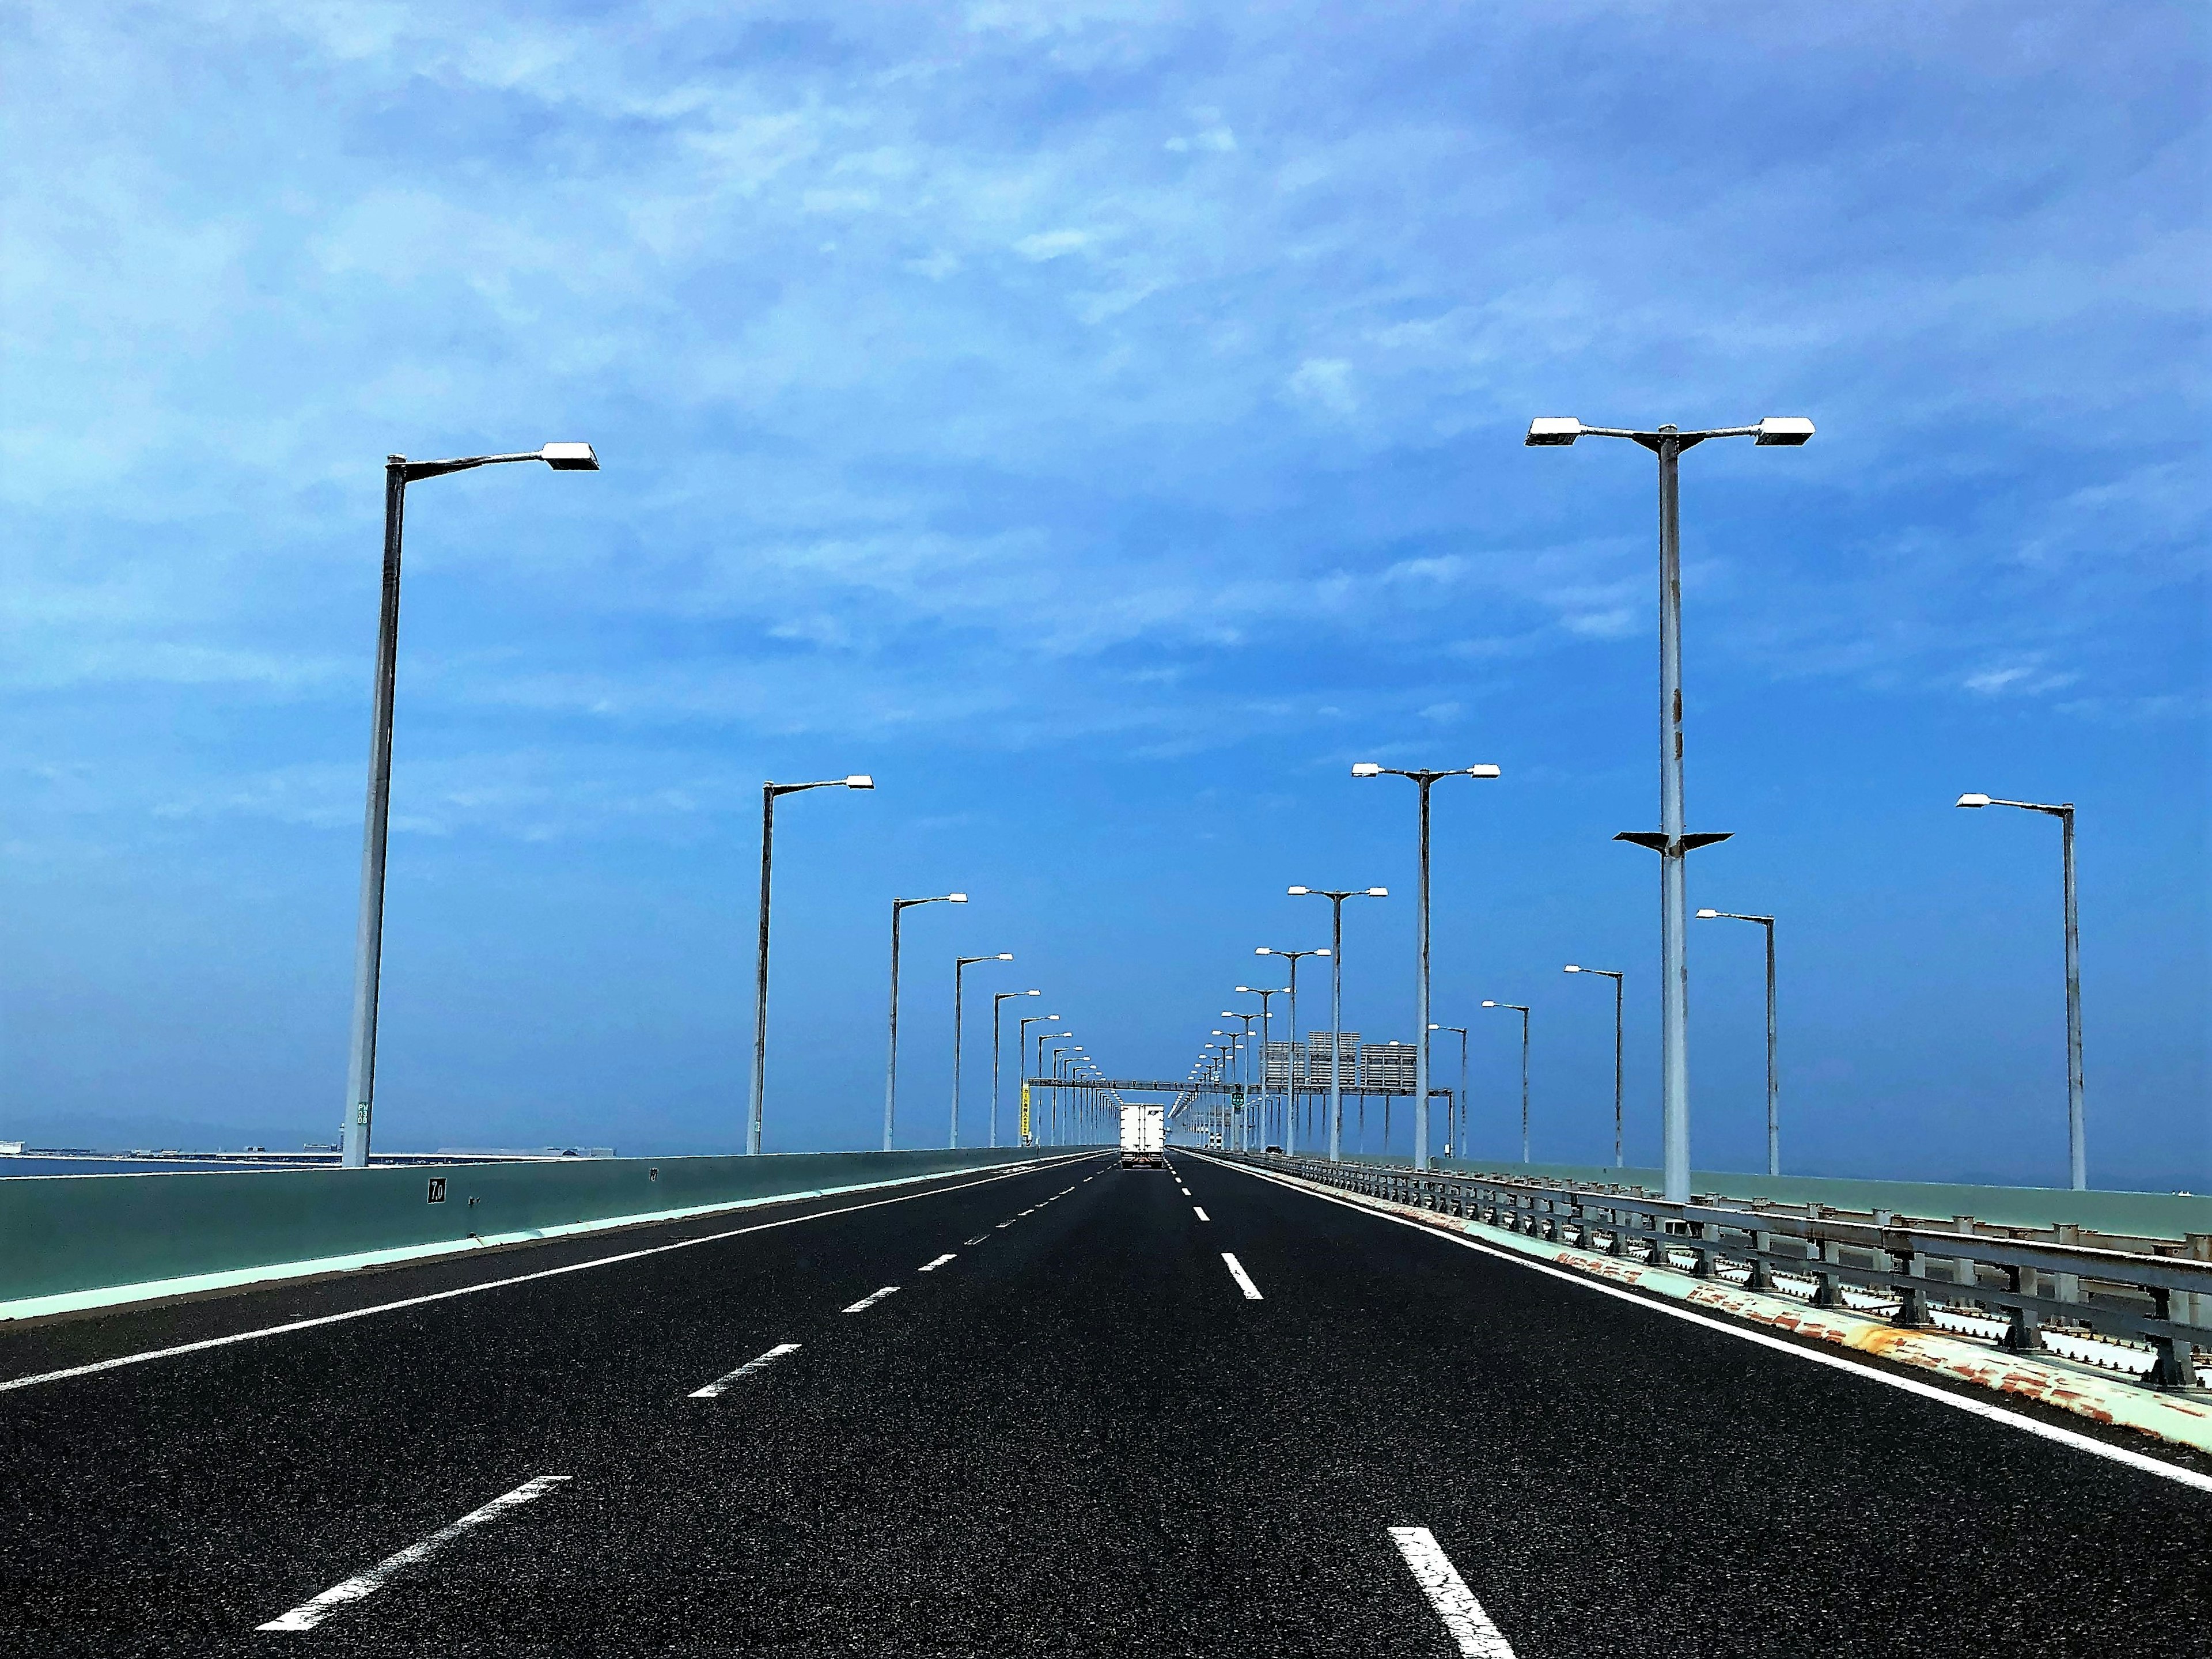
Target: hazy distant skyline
(1101, 424)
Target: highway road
(1072, 1410)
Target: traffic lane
(1773, 1502)
(32, 1347)
(185, 1494)
(1052, 1448)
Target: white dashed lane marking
(746, 1369)
(932, 1267)
(1199, 1213)
(1462, 1615)
(309, 1614)
(979, 1239)
(872, 1298)
(1243, 1280)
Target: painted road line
(309, 1614)
(1448, 1593)
(290, 1326)
(932, 1267)
(872, 1298)
(1243, 1280)
(2064, 1437)
(980, 1238)
(1003, 1226)
(1199, 1213)
(746, 1369)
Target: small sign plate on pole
(437, 1189)
(1025, 1114)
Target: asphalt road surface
(1071, 1411)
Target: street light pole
(1459, 1138)
(995, 1046)
(1522, 1010)
(1672, 843)
(1617, 979)
(1773, 1073)
(1336, 898)
(1245, 1106)
(1291, 1117)
(1266, 1042)
(891, 1070)
(2077, 1145)
(768, 793)
(1021, 1058)
(1426, 780)
(959, 970)
(368, 934)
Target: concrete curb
(2176, 1419)
(188, 1284)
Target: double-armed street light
(899, 907)
(2077, 1144)
(1521, 1009)
(1671, 841)
(1291, 1077)
(1266, 1042)
(996, 999)
(1243, 1100)
(368, 937)
(1773, 1074)
(1426, 780)
(960, 966)
(1336, 898)
(1617, 979)
(769, 791)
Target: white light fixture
(1487, 1003)
(860, 781)
(1708, 915)
(1298, 892)
(1973, 801)
(1378, 892)
(1549, 431)
(1366, 769)
(1787, 430)
(1005, 955)
(1484, 772)
(569, 458)
(956, 898)
(1576, 967)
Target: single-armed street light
(368, 937)
(1042, 1038)
(1522, 1010)
(1456, 1120)
(1021, 1058)
(1267, 1042)
(2077, 1145)
(1773, 1073)
(1293, 1093)
(1671, 842)
(1336, 898)
(899, 906)
(768, 793)
(1576, 967)
(960, 966)
(1425, 780)
(995, 1000)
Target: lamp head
(1032, 994)
(1708, 915)
(569, 458)
(1244, 990)
(1552, 431)
(1576, 967)
(860, 781)
(1487, 1003)
(1973, 801)
(1378, 892)
(956, 898)
(1787, 430)
(1366, 769)
(1321, 952)
(1261, 950)
(1484, 772)
(1298, 892)
(1005, 955)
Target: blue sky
(1101, 424)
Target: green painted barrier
(63, 1235)
(2138, 1215)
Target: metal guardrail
(2128, 1298)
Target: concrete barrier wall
(61, 1235)
(2145, 1215)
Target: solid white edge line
(761, 1363)
(2064, 1437)
(1243, 1280)
(872, 1298)
(309, 1614)
(1462, 1615)
(121, 1360)
(1201, 1214)
(932, 1267)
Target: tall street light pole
(1671, 842)
(995, 1045)
(1291, 1127)
(959, 970)
(2077, 1145)
(1042, 1038)
(768, 793)
(1021, 1058)
(1522, 1010)
(1459, 1137)
(1618, 1160)
(368, 935)
(899, 906)
(1266, 1042)
(1773, 1072)
(1426, 780)
(1336, 898)
(1244, 1103)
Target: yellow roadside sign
(1025, 1114)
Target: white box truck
(1144, 1138)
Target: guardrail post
(2066, 1287)
(1964, 1271)
(1762, 1276)
(1912, 1302)
(2197, 1307)
(2176, 1367)
(2023, 1326)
